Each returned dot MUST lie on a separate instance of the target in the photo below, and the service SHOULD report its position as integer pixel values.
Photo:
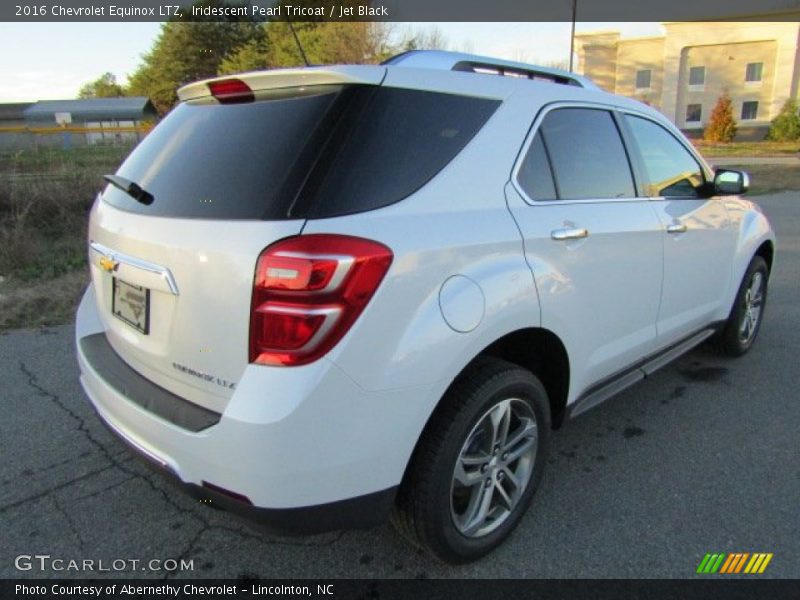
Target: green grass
(58, 160)
(710, 149)
(41, 302)
(45, 198)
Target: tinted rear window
(222, 161)
(334, 151)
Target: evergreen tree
(322, 42)
(786, 126)
(251, 56)
(327, 43)
(187, 51)
(721, 126)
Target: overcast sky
(46, 61)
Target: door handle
(569, 234)
(676, 228)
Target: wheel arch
(543, 353)
(755, 238)
(766, 251)
(534, 348)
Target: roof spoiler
(288, 78)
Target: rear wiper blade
(130, 188)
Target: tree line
(187, 51)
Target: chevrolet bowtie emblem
(108, 264)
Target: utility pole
(572, 35)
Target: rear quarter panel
(457, 224)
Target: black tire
(431, 497)
(732, 341)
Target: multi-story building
(684, 71)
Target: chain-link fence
(114, 133)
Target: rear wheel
(742, 326)
(478, 463)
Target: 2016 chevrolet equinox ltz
(325, 296)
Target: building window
(753, 72)
(694, 113)
(643, 79)
(749, 110)
(697, 77)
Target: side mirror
(730, 182)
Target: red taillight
(231, 91)
(296, 273)
(308, 291)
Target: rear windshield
(330, 151)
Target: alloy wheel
(493, 468)
(753, 301)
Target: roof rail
(471, 63)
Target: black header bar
(398, 10)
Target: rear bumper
(99, 354)
(314, 452)
(361, 512)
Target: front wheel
(743, 324)
(478, 463)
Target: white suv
(323, 296)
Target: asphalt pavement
(702, 457)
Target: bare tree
(467, 46)
(520, 54)
(430, 38)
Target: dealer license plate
(131, 303)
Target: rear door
(699, 242)
(594, 245)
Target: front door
(699, 241)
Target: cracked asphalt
(701, 457)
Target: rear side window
(586, 153)
(388, 144)
(321, 152)
(534, 174)
(671, 170)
